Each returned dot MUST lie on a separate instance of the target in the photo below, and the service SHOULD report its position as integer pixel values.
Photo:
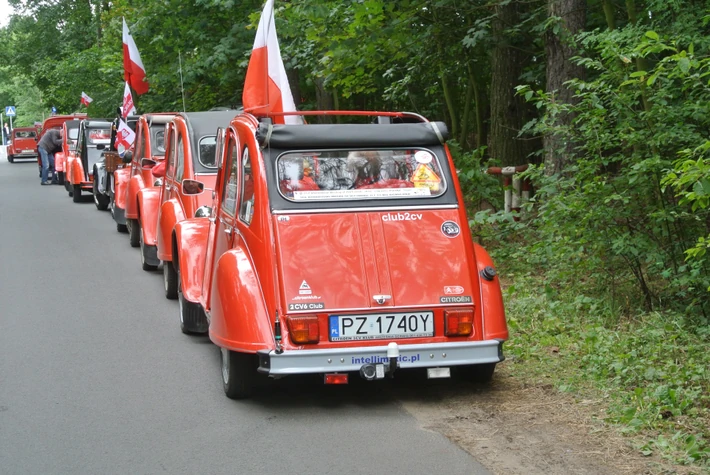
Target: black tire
(238, 373)
(144, 262)
(479, 373)
(170, 281)
(193, 320)
(76, 196)
(101, 201)
(68, 187)
(11, 159)
(134, 232)
(60, 178)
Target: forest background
(605, 269)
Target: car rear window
(337, 175)
(99, 136)
(208, 151)
(25, 134)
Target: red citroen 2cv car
(70, 136)
(191, 152)
(149, 147)
(78, 174)
(24, 144)
(56, 122)
(338, 250)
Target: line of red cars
(334, 249)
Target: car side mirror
(192, 187)
(147, 163)
(127, 157)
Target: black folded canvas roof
(353, 135)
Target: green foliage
(612, 216)
(653, 370)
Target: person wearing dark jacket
(49, 144)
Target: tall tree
(566, 19)
(509, 112)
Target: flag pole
(182, 86)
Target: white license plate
(29, 151)
(381, 326)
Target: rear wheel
(134, 232)
(479, 373)
(238, 373)
(100, 200)
(144, 261)
(76, 196)
(170, 281)
(192, 318)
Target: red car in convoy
(94, 135)
(56, 122)
(23, 145)
(149, 149)
(191, 152)
(70, 136)
(338, 249)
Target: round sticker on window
(450, 229)
(423, 157)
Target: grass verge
(651, 369)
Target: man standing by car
(50, 143)
(5, 134)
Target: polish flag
(133, 69)
(124, 137)
(266, 86)
(85, 99)
(128, 107)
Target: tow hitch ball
(372, 371)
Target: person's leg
(51, 167)
(45, 163)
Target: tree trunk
(509, 112)
(609, 14)
(559, 48)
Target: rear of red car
(376, 266)
(24, 144)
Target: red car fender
(494, 326)
(120, 183)
(135, 184)
(74, 171)
(148, 206)
(59, 161)
(190, 238)
(239, 319)
(170, 214)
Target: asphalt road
(96, 377)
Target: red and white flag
(133, 69)
(124, 137)
(266, 86)
(85, 99)
(128, 108)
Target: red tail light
(336, 378)
(304, 329)
(458, 322)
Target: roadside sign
(10, 111)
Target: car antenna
(182, 86)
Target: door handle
(228, 231)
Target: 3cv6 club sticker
(305, 299)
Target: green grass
(652, 369)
